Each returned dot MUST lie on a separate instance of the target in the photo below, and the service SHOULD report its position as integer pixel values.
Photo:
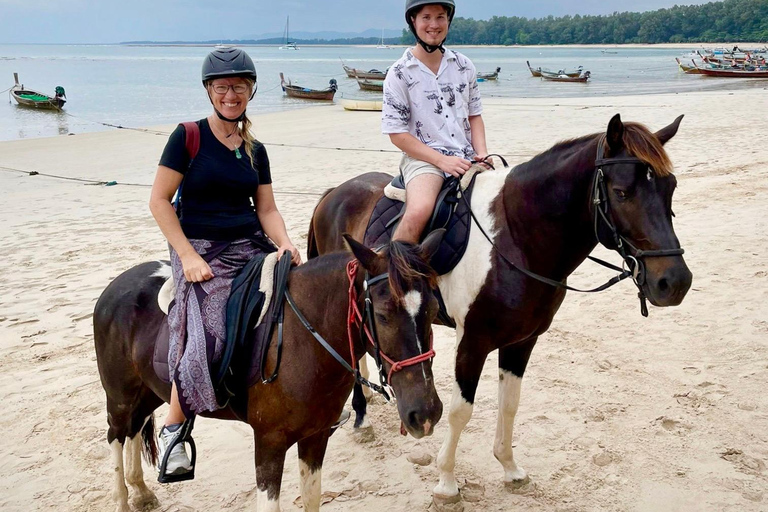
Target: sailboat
(289, 45)
(381, 45)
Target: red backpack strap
(192, 141)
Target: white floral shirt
(433, 108)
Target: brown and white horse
(542, 216)
(308, 395)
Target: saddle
(255, 303)
(451, 213)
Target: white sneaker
(178, 461)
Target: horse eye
(381, 318)
(622, 194)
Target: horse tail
(312, 250)
(148, 437)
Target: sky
(113, 21)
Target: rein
(634, 266)
(367, 327)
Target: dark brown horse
(307, 397)
(541, 217)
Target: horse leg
(512, 362)
(311, 455)
(363, 365)
(360, 395)
(469, 366)
(270, 459)
(120, 492)
(143, 498)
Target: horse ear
(431, 244)
(615, 135)
(366, 256)
(668, 132)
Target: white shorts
(410, 168)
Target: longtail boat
(361, 105)
(539, 71)
(370, 85)
(733, 73)
(688, 70)
(29, 98)
(493, 75)
(295, 91)
(565, 78)
(373, 74)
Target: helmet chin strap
(431, 48)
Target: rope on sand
(112, 183)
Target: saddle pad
(380, 229)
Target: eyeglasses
(223, 88)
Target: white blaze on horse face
(120, 492)
(509, 399)
(412, 301)
(461, 286)
(310, 487)
(458, 417)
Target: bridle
(366, 323)
(632, 261)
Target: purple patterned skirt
(197, 318)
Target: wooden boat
(29, 98)
(373, 74)
(565, 78)
(361, 105)
(370, 85)
(688, 70)
(733, 73)
(295, 91)
(539, 71)
(489, 75)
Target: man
(432, 112)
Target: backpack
(192, 143)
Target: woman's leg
(175, 414)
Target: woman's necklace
(236, 148)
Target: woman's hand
(195, 268)
(295, 255)
(454, 165)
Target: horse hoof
(146, 502)
(364, 435)
(515, 484)
(447, 503)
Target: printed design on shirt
(469, 152)
(425, 138)
(460, 88)
(448, 89)
(436, 98)
(467, 128)
(403, 110)
(461, 64)
(410, 83)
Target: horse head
(637, 200)
(403, 308)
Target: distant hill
(370, 36)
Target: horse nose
(421, 421)
(672, 286)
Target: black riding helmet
(229, 62)
(411, 6)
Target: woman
(226, 215)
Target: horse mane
(406, 265)
(639, 142)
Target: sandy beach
(618, 412)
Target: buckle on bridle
(631, 264)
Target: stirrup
(343, 418)
(185, 436)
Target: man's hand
(454, 165)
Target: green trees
(731, 20)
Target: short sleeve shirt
(218, 190)
(433, 108)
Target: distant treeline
(731, 20)
(277, 41)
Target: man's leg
(420, 196)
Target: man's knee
(418, 211)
